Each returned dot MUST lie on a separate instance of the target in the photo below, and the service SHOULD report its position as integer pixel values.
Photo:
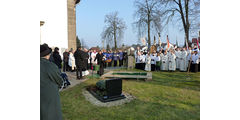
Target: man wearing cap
(50, 82)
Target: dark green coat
(50, 81)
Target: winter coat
(50, 82)
(65, 56)
(57, 59)
(79, 60)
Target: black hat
(56, 49)
(44, 50)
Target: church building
(58, 24)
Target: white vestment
(183, 59)
(148, 63)
(195, 58)
(93, 56)
(71, 61)
(164, 65)
(172, 62)
(178, 59)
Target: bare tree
(84, 45)
(187, 12)
(148, 16)
(114, 29)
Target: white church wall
(54, 32)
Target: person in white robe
(183, 59)
(177, 53)
(93, 56)
(172, 61)
(71, 60)
(164, 65)
(148, 62)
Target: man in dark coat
(85, 59)
(65, 60)
(100, 62)
(50, 82)
(79, 60)
(57, 58)
(105, 56)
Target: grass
(169, 96)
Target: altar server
(172, 61)
(164, 65)
(183, 59)
(148, 62)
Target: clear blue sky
(90, 22)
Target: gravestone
(130, 62)
(131, 59)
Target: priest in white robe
(177, 53)
(164, 58)
(172, 61)
(148, 62)
(183, 59)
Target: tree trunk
(115, 37)
(149, 39)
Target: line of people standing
(83, 60)
(169, 60)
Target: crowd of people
(173, 59)
(83, 60)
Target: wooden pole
(189, 64)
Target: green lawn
(169, 96)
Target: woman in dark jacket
(57, 58)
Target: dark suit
(100, 62)
(65, 61)
(79, 60)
